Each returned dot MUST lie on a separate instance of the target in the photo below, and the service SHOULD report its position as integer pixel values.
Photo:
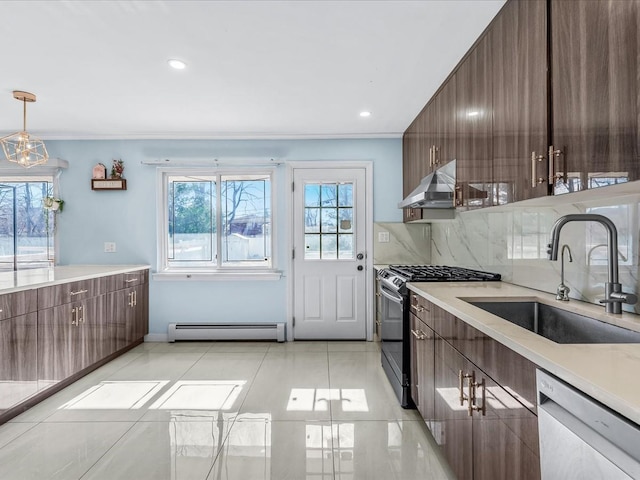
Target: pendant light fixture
(22, 148)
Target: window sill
(194, 276)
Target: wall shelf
(108, 184)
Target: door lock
(360, 256)
(360, 268)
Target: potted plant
(53, 204)
(117, 169)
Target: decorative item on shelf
(117, 168)
(114, 182)
(20, 147)
(100, 171)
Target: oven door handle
(393, 298)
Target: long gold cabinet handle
(479, 408)
(472, 390)
(553, 175)
(461, 378)
(535, 180)
(133, 298)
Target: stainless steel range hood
(436, 190)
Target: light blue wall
(128, 218)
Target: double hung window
(216, 221)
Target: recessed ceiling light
(473, 114)
(177, 64)
(365, 114)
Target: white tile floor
(225, 411)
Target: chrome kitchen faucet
(614, 297)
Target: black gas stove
(395, 319)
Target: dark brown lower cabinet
(452, 424)
(485, 428)
(505, 440)
(71, 337)
(52, 335)
(18, 355)
(128, 313)
(422, 368)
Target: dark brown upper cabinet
(411, 167)
(546, 102)
(595, 79)
(518, 38)
(474, 117)
(444, 144)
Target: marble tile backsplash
(408, 243)
(513, 241)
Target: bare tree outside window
(244, 221)
(26, 231)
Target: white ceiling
(256, 69)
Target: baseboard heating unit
(226, 331)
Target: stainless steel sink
(558, 325)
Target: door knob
(360, 256)
(360, 268)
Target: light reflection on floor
(207, 432)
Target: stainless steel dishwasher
(582, 439)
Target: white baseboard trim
(157, 337)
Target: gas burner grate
(441, 273)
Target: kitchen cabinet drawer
(126, 280)
(70, 292)
(421, 308)
(18, 303)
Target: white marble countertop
(43, 277)
(606, 372)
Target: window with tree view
(218, 221)
(26, 228)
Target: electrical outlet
(383, 237)
(110, 247)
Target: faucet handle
(621, 297)
(549, 249)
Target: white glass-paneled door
(329, 290)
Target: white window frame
(213, 272)
(20, 176)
